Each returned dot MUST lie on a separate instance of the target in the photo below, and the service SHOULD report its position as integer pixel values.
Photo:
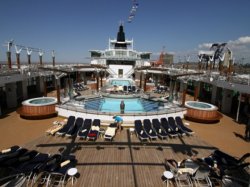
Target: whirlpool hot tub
(202, 112)
(38, 108)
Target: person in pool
(119, 122)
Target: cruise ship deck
(125, 161)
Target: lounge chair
(125, 88)
(181, 178)
(133, 89)
(110, 132)
(201, 176)
(129, 88)
(94, 131)
(181, 126)
(66, 128)
(140, 132)
(84, 131)
(149, 130)
(74, 128)
(157, 127)
(173, 125)
(165, 125)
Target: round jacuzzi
(38, 108)
(40, 101)
(202, 112)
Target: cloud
(241, 41)
(205, 45)
(245, 40)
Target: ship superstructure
(120, 58)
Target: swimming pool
(120, 82)
(134, 105)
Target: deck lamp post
(141, 80)
(97, 79)
(18, 51)
(184, 91)
(41, 56)
(53, 58)
(29, 51)
(9, 45)
(145, 82)
(101, 75)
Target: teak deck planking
(125, 161)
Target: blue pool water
(135, 105)
(120, 82)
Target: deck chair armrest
(244, 157)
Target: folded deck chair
(140, 132)
(149, 130)
(46, 168)
(56, 127)
(181, 126)
(16, 161)
(12, 155)
(157, 127)
(84, 131)
(17, 180)
(58, 176)
(9, 150)
(165, 125)
(33, 164)
(65, 129)
(74, 128)
(173, 125)
(110, 132)
(94, 131)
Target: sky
(73, 27)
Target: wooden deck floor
(125, 161)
